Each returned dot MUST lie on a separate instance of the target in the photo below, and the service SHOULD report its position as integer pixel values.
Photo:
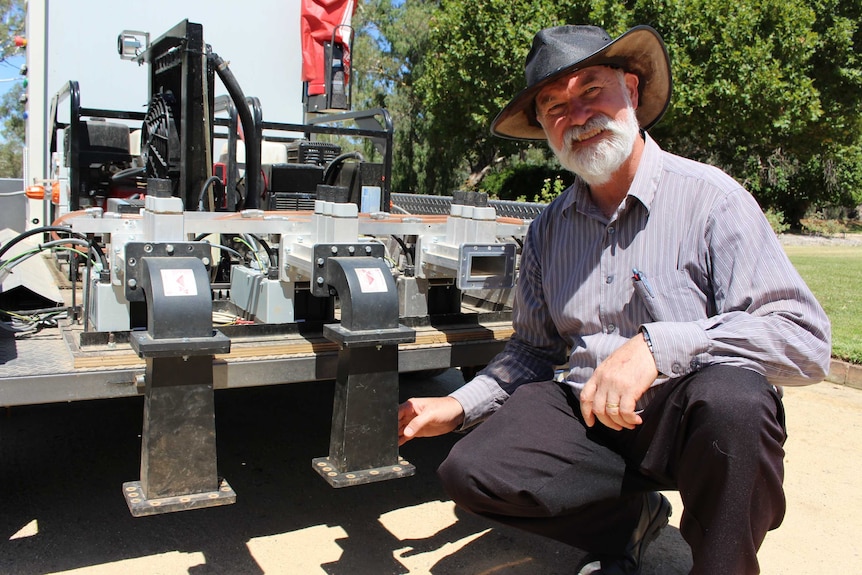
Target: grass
(834, 274)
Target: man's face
(589, 119)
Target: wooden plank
(299, 346)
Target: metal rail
(421, 204)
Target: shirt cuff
(479, 398)
(679, 348)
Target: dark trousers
(715, 436)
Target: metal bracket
(136, 251)
(322, 252)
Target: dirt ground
(62, 510)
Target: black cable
(269, 251)
(24, 235)
(252, 144)
(408, 255)
(337, 161)
(210, 180)
(129, 174)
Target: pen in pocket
(638, 275)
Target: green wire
(249, 246)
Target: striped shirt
(714, 286)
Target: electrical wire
(246, 243)
(6, 266)
(408, 253)
(328, 177)
(63, 229)
(211, 180)
(24, 324)
(269, 251)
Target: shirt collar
(646, 180)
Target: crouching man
(661, 284)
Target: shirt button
(676, 368)
(611, 231)
(609, 279)
(611, 328)
(694, 364)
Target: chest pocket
(672, 297)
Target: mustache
(593, 126)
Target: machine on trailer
(277, 260)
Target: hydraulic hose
(331, 168)
(252, 143)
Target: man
(661, 283)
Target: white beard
(596, 163)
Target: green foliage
(475, 64)
(819, 225)
(11, 134)
(521, 182)
(834, 275)
(11, 109)
(389, 54)
(776, 221)
(769, 90)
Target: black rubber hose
(252, 144)
(328, 177)
(210, 180)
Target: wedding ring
(612, 406)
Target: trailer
(195, 247)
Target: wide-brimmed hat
(562, 50)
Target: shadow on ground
(62, 467)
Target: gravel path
(806, 240)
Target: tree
(11, 109)
(477, 65)
(769, 90)
(390, 51)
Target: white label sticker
(371, 280)
(179, 282)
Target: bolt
(169, 249)
(132, 283)
(206, 261)
(319, 281)
(368, 250)
(148, 248)
(320, 262)
(351, 250)
(334, 250)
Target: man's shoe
(654, 517)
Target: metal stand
(178, 447)
(363, 445)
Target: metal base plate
(327, 470)
(140, 506)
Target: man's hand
(428, 417)
(618, 382)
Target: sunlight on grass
(834, 274)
